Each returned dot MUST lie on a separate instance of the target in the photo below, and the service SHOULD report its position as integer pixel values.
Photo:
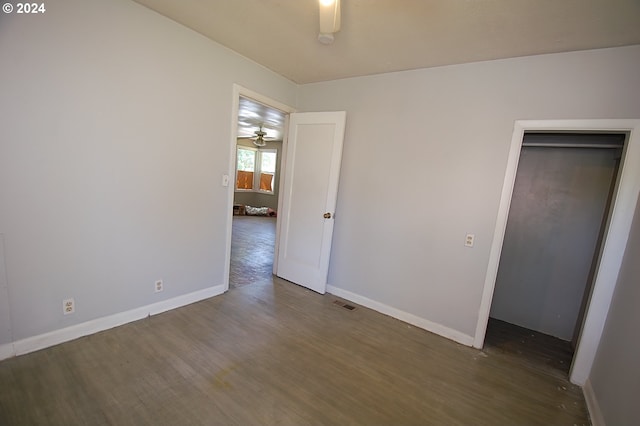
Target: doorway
(312, 153)
(257, 164)
(613, 243)
(559, 209)
(307, 210)
(258, 168)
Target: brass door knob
(327, 215)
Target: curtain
(244, 180)
(266, 180)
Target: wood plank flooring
(530, 348)
(273, 353)
(252, 250)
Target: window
(255, 169)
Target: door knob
(327, 215)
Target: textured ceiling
(253, 116)
(392, 35)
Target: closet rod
(569, 145)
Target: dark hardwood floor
(252, 250)
(529, 348)
(274, 353)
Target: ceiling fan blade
(266, 138)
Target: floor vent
(344, 305)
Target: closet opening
(560, 206)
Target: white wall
(5, 314)
(116, 129)
(424, 161)
(615, 377)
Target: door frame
(614, 240)
(239, 91)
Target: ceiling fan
(260, 138)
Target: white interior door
(313, 156)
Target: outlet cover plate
(468, 241)
(68, 306)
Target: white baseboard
(597, 419)
(432, 327)
(42, 341)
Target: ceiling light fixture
(329, 20)
(259, 140)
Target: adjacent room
(259, 152)
(319, 212)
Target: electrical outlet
(468, 241)
(68, 306)
(158, 287)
